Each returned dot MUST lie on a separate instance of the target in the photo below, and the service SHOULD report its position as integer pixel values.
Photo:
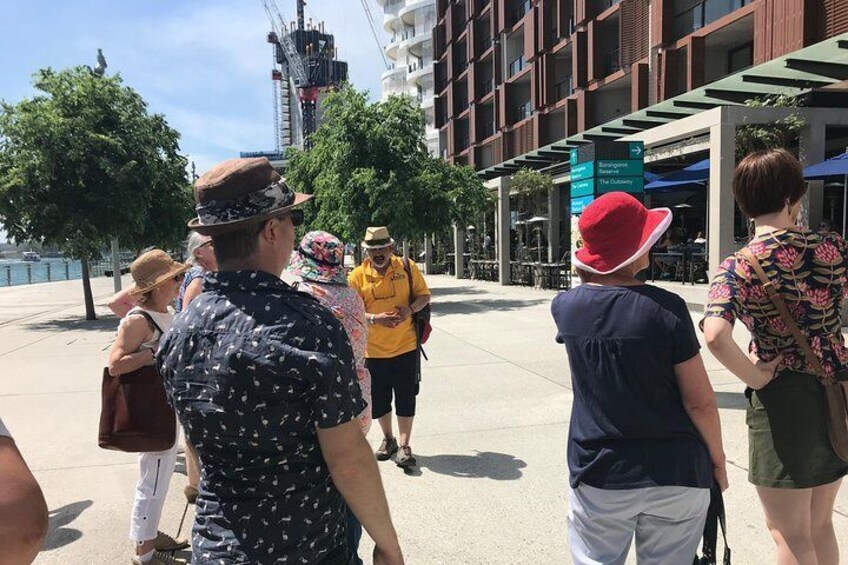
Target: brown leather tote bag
(134, 413)
(836, 391)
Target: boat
(31, 256)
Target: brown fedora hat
(152, 269)
(239, 192)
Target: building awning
(693, 175)
(800, 72)
(833, 167)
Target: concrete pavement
(490, 437)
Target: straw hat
(320, 258)
(152, 269)
(616, 230)
(377, 238)
(238, 192)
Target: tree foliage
(781, 134)
(83, 162)
(531, 186)
(369, 166)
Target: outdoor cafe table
(670, 262)
(552, 276)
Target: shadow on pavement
(451, 290)
(106, 323)
(477, 306)
(482, 465)
(58, 535)
(732, 400)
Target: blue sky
(204, 64)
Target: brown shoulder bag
(134, 412)
(836, 392)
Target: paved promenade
(490, 438)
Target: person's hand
(404, 312)
(720, 476)
(387, 319)
(384, 557)
(764, 372)
(152, 351)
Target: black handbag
(715, 519)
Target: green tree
(82, 162)
(531, 186)
(369, 166)
(781, 134)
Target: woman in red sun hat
(644, 443)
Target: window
(740, 57)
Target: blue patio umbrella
(693, 175)
(833, 167)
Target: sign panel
(582, 171)
(573, 157)
(584, 187)
(637, 150)
(579, 204)
(618, 168)
(621, 184)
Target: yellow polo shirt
(383, 293)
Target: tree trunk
(357, 255)
(86, 289)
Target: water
(14, 273)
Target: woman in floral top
(791, 461)
(319, 262)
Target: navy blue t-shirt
(628, 425)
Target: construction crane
(308, 84)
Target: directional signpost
(606, 166)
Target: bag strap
(408, 270)
(149, 319)
(716, 519)
(780, 306)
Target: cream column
(554, 227)
(504, 222)
(720, 198)
(459, 251)
(812, 151)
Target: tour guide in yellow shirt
(392, 352)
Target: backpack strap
(408, 270)
(779, 305)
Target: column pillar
(812, 151)
(554, 227)
(459, 251)
(503, 230)
(720, 197)
(428, 254)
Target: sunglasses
(296, 215)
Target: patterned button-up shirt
(253, 368)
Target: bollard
(48, 272)
(67, 271)
(29, 272)
(8, 275)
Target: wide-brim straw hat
(152, 269)
(319, 258)
(239, 192)
(616, 230)
(377, 238)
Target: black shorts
(394, 374)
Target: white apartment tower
(410, 24)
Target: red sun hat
(616, 230)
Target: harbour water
(16, 272)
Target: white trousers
(668, 523)
(155, 470)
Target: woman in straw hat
(319, 262)
(644, 443)
(157, 280)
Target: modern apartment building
(410, 49)
(512, 76)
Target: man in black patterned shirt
(264, 383)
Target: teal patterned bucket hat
(319, 258)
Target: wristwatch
(371, 319)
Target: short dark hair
(766, 180)
(238, 244)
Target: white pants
(155, 470)
(668, 523)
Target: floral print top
(345, 303)
(809, 269)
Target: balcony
(483, 4)
(520, 11)
(488, 129)
(462, 143)
(485, 87)
(484, 45)
(521, 112)
(704, 13)
(612, 62)
(460, 65)
(517, 66)
(563, 89)
(460, 106)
